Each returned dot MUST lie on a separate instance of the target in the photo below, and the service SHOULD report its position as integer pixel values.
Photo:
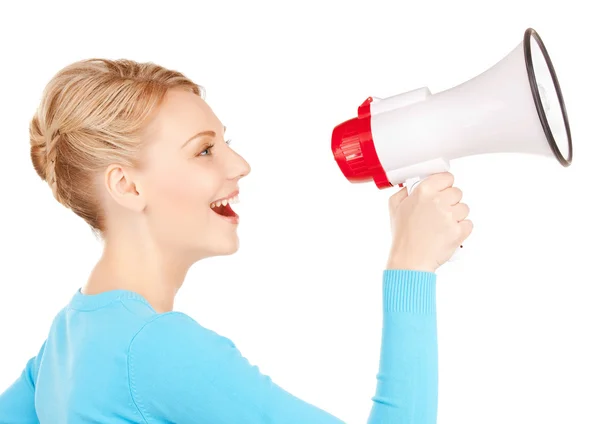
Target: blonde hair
(91, 115)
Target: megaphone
(514, 106)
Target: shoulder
(170, 342)
(175, 332)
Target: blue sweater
(111, 358)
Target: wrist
(404, 262)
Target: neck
(135, 264)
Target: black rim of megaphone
(530, 32)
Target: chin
(223, 247)
(229, 249)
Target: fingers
(460, 211)
(466, 228)
(436, 183)
(451, 196)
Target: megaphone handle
(411, 184)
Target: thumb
(398, 197)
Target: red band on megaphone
(354, 150)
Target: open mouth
(223, 207)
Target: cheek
(183, 190)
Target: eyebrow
(208, 133)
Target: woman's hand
(428, 225)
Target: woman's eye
(206, 151)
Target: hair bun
(43, 152)
(39, 155)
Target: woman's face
(189, 173)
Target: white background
(518, 317)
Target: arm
(407, 382)
(182, 372)
(17, 404)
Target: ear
(121, 184)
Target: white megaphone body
(515, 106)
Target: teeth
(231, 201)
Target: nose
(238, 166)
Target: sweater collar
(89, 302)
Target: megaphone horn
(515, 106)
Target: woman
(135, 151)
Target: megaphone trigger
(412, 183)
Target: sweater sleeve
(17, 402)
(181, 372)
